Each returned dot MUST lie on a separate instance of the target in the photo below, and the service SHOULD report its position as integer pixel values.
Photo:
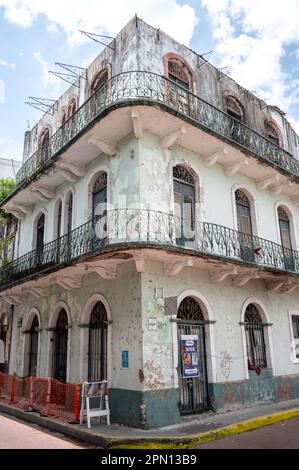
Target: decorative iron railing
(146, 227)
(128, 87)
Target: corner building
(159, 199)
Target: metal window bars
(125, 227)
(141, 86)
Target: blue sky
(257, 40)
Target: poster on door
(189, 354)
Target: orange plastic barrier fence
(47, 396)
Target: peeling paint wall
(225, 302)
(123, 297)
(139, 46)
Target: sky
(257, 41)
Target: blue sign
(125, 359)
(189, 354)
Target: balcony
(123, 229)
(129, 88)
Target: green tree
(7, 185)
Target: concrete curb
(149, 442)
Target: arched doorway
(184, 204)
(285, 236)
(192, 361)
(180, 84)
(40, 234)
(33, 347)
(3, 338)
(244, 226)
(97, 343)
(60, 340)
(99, 209)
(255, 338)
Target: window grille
(255, 339)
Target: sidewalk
(192, 431)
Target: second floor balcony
(125, 229)
(146, 88)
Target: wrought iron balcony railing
(130, 227)
(130, 87)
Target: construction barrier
(45, 395)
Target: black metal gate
(60, 347)
(194, 396)
(97, 346)
(33, 346)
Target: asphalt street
(283, 435)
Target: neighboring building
(160, 200)
(9, 167)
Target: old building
(158, 212)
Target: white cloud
(47, 78)
(251, 38)
(4, 63)
(102, 16)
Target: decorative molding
(266, 181)
(42, 193)
(232, 168)
(172, 269)
(221, 274)
(76, 170)
(39, 291)
(67, 283)
(68, 176)
(275, 286)
(242, 279)
(105, 147)
(137, 124)
(171, 139)
(102, 269)
(139, 261)
(213, 158)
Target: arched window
(244, 226)
(184, 204)
(180, 83)
(72, 107)
(243, 212)
(63, 119)
(59, 219)
(97, 345)
(44, 144)
(33, 346)
(189, 309)
(255, 339)
(285, 236)
(99, 195)
(272, 133)
(192, 360)
(234, 108)
(69, 222)
(40, 234)
(99, 80)
(284, 227)
(178, 73)
(60, 341)
(99, 209)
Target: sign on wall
(125, 359)
(189, 355)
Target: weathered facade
(159, 201)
